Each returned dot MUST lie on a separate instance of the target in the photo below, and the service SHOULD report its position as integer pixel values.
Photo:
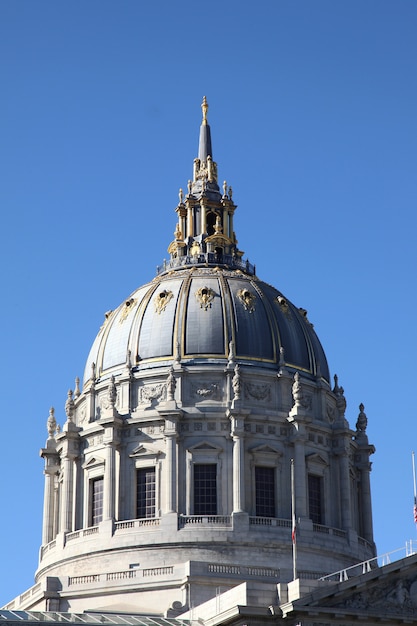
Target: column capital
(299, 415)
(299, 431)
(171, 419)
(52, 464)
(110, 418)
(237, 421)
(50, 451)
(70, 447)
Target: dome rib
(203, 310)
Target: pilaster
(298, 418)
(51, 456)
(112, 424)
(237, 416)
(363, 464)
(344, 481)
(171, 415)
(69, 441)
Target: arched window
(211, 222)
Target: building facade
(207, 447)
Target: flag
(294, 526)
(415, 488)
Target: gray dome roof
(199, 315)
(206, 304)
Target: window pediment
(205, 446)
(93, 461)
(317, 459)
(204, 452)
(266, 449)
(142, 451)
(266, 455)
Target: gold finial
(204, 106)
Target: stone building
(206, 469)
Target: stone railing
(151, 522)
(83, 580)
(243, 570)
(328, 530)
(287, 523)
(158, 571)
(46, 548)
(270, 521)
(30, 593)
(77, 535)
(83, 532)
(208, 258)
(123, 575)
(204, 520)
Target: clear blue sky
(313, 110)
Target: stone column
(300, 477)
(182, 223)
(51, 456)
(298, 417)
(67, 492)
(365, 449)
(190, 227)
(226, 230)
(50, 471)
(70, 441)
(231, 225)
(170, 472)
(365, 501)
(345, 494)
(56, 509)
(238, 475)
(109, 487)
(112, 424)
(203, 218)
(237, 416)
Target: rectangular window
(315, 499)
(265, 491)
(205, 489)
(96, 490)
(145, 500)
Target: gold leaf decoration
(162, 299)
(247, 299)
(205, 295)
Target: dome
(205, 437)
(206, 302)
(205, 314)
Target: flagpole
(415, 489)
(294, 526)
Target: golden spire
(204, 107)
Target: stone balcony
(183, 529)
